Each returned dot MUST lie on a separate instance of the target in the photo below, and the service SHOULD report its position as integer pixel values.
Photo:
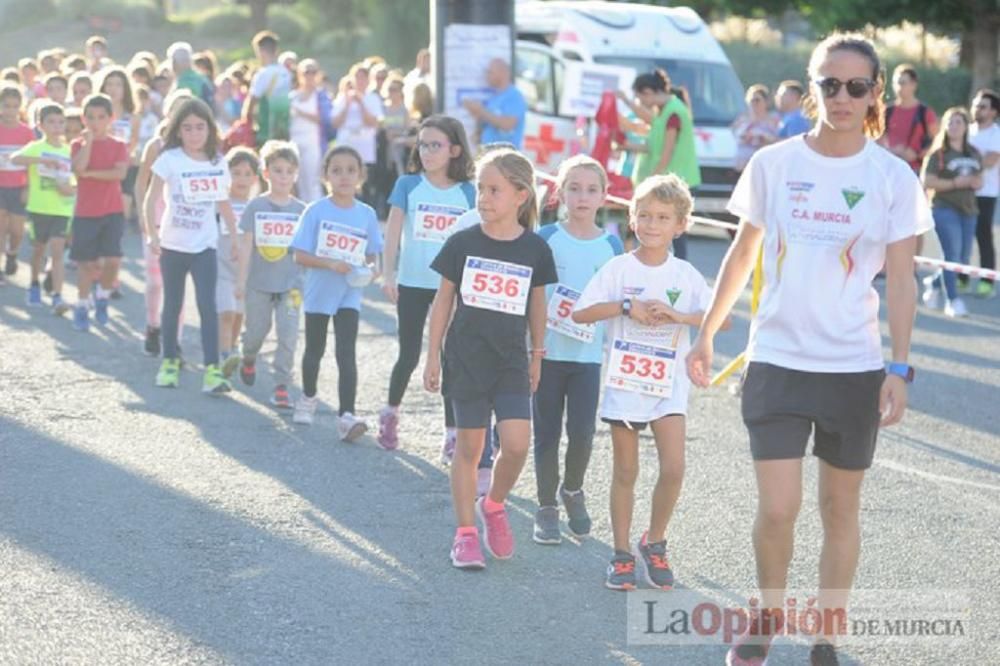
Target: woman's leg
(154, 288)
(317, 326)
(947, 224)
(984, 233)
(839, 506)
(345, 337)
(779, 495)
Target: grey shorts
(782, 407)
(475, 413)
(12, 200)
(225, 296)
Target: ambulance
(568, 53)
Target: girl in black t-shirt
(493, 276)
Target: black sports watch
(627, 308)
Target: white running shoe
(933, 298)
(305, 409)
(351, 427)
(956, 308)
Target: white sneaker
(351, 427)
(956, 308)
(305, 409)
(933, 298)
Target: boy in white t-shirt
(650, 299)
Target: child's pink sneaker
(496, 526)
(466, 553)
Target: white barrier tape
(964, 269)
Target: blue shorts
(97, 237)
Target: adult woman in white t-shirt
(828, 208)
(306, 130)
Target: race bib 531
(204, 185)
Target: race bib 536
(500, 286)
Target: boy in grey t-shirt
(271, 276)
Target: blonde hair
(279, 150)
(581, 162)
(668, 189)
(517, 170)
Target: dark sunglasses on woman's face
(856, 88)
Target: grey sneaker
(576, 511)
(621, 572)
(547, 526)
(655, 565)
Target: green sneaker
(986, 289)
(169, 375)
(214, 382)
(963, 284)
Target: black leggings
(345, 335)
(411, 312)
(984, 232)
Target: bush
(20, 13)
(224, 21)
(290, 26)
(770, 65)
(131, 13)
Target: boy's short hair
(11, 90)
(242, 154)
(94, 40)
(49, 109)
(98, 101)
(265, 40)
(54, 77)
(792, 84)
(669, 189)
(279, 150)
(27, 62)
(74, 114)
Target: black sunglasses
(856, 88)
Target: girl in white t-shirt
(194, 179)
(650, 299)
(827, 210)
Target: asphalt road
(144, 526)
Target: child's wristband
(538, 352)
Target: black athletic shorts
(782, 407)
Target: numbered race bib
(204, 185)
(496, 285)
(639, 368)
(122, 129)
(238, 209)
(275, 229)
(6, 152)
(63, 171)
(435, 222)
(341, 242)
(559, 317)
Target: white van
(565, 50)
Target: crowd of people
(267, 186)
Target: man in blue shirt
(788, 99)
(501, 118)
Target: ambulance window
(534, 80)
(558, 79)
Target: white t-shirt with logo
(192, 189)
(676, 283)
(827, 222)
(354, 132)
(987, 141)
